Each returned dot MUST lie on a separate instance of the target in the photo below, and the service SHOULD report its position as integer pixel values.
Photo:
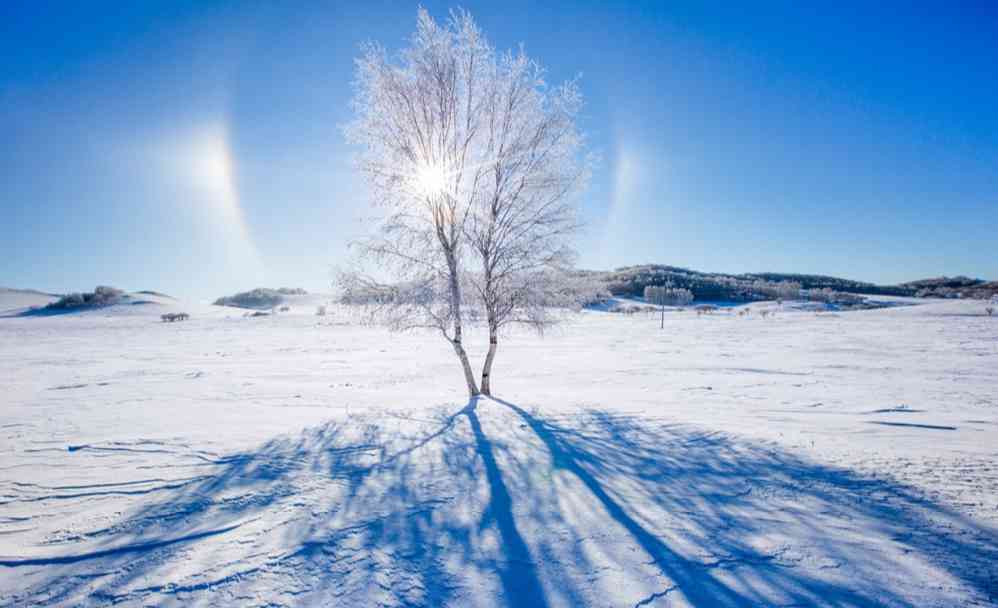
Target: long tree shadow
(623, 448)
(493, 504)
(518, 572)
(697, 582)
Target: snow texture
(801, 459)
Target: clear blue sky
(195, 148)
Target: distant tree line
(631, 281)
(260, 298)
(954, 287)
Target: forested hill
(951, 287)
(631, 281)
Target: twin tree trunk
(455, 294)
(462, 355)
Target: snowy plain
(805, 459)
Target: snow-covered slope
(30, 303)
(26, 302)
(804, 459)
(13, 301)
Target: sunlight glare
(431, 180)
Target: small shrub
(629, 309)
(102, 295)
(705, 309)
(990, 310)
(103, 292)
(261, 298)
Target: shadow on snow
(497, 502)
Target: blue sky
(195, 147)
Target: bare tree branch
(475, 161)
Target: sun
(430, 180)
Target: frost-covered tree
(665, 295)
(787, 290)
(472, 159)
(668, 296)
(680, 297)
(530, 163)
(655, 294)
(416, 117)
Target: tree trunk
(469, 376)
(487, 369)
(455, 294)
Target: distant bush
(705, 309)
(102, 295)
(261, 298)
(629, 309)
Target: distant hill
(11, 290)
(34, 303)
(631, 281)
(953, 287)
(818, 281)
(149, 292)
(13, 301)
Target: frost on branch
(472, 161)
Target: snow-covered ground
(843, 459)
(14, 301)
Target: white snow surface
(844, 459)
(13, 301)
